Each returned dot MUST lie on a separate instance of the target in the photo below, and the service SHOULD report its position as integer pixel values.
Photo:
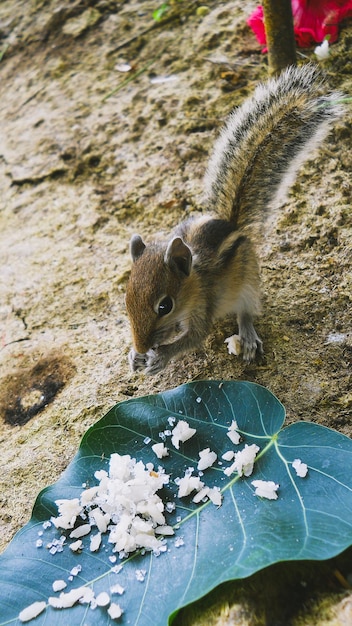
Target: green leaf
(159, 13)
(311, 519)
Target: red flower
(313, 20)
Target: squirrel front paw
(156, 361)
(247, 344)
(250, 347)
(137, 361)
(151, 363)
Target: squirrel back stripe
(266, 139)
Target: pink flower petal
(313, 20)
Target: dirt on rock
(108, 118)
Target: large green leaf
(311, 519)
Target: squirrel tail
(264, 142)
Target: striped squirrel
(207, 268)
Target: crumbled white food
(232, 433)
(201, 495)
(80, 531)
(102, 599)
(125, 502)
(68, 511)
(59, 585)
(229, 455)
(322, 51)
(76, 545)
(179, 542)
(234, 344)
(88, 597)
(187, 484)
(301, 468)
(160, 450)
(244, 461)
(117, 589)
(100, 519)
(66, 600)
(206, 459)
(265, 489)
(115, 611)
(140, 575)
(32, 611)
(164, 530)
(95, 542)
(87, 495)
(181, 433)
(215, 496)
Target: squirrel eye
(165, 306)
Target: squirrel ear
(137, 247)
(179, 255)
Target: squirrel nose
(141, 346)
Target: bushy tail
(265, 140)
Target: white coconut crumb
(80, 531)
(187, 484)
(87, 495)
(164, 530)
(88, 597)
(244, 461)
(234, 344)
(102, 599)
(68, 512)
(215, 496)
(201, 495)
(181, 433)
(232, 433)
(160, 450)
(100, 519)
(140, 575)
(301, 468)
(265, 489)
(95, 542)
(179, 542)
(59, 585)
(32, 611)
(125, 502)
(66, 600)
(76, 545)
(228, 456)
(117, 589)
(207, 458)
(115, 611)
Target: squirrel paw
(137, 361)
(251, 344)
(156, 361)
(248, 344)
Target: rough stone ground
(81, 169)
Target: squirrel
(207, 268)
